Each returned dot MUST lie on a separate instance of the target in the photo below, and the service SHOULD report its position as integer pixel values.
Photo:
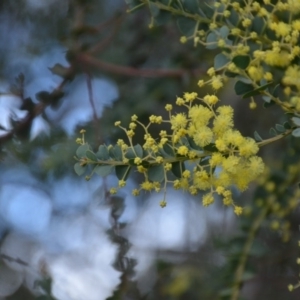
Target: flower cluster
(254, 38)
(201, 153)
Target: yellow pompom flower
(238, 210)
(178, 121)
(208, 199)
(216, 82)
(222, 123)
(147, 186)
(248, 147)
(200, 115)
(203, 136)
(183, 150)
(189, 97)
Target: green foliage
(256, 45)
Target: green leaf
(81, 150)
(191, 6)
(242, 88)
(287, 125)
(296, 121)
(220, 61)
(258, 25)
(268, 104)
(186, 26)
(267, 99)
(280, 128)
(103, 170)
(79, 170)
(153, 9)
(122, 172)
(116, 153)
(167, 151)
(230, 74)
(156, 173)
(178, 168)
(256, 91)
(212, 39)
(163, 18)
(130, 154)
(224, 31)
(91, 155)
(145, 164)
(102, 153)
(211, 148)
(241, 61)
(257, 137)
(276, 90)
(273, 131)
(296, 132)
(138, 150)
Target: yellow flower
(135, 192)
(208, 199)
(201, 83)
(216, 82)
(200, 115)
(113, 191)
(179, 101)
(186, 174)
(137, 160)
(248, 147)
(141, 169)
(183, 39)
(211, 99)
(211, 71)
(147, 186)
(122, 183)
(159, 159)
(168, 107)
(256, 165)
(189, 97)
(255, 73)
(178, 121)
(216, 159)
(168, 166)
(222, 123)
(183, 150)
(203, 136)
(279, 59)
(238, 210)
(231, 163)
(134, 118)
(163, 203)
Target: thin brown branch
(92, 103)
(86, 59)
(105, 42)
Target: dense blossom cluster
(265, 35)
(214, 155)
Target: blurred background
(72, 64)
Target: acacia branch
(86, 59)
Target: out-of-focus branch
(86, 59)
(102, 45)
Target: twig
(244, 256)
(86, 59)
